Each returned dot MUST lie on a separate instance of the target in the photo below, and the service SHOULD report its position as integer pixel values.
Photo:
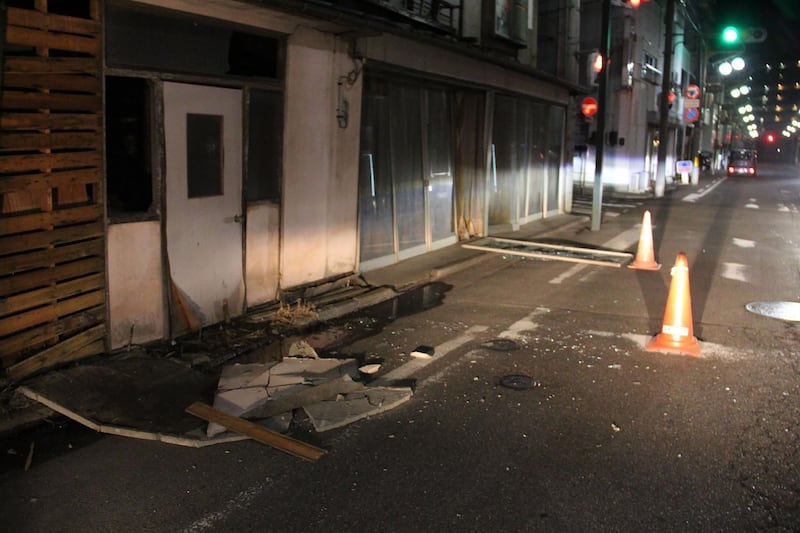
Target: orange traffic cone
(645, 257)
(677, 333)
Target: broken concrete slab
(306, 396)
(235, 402)
(240, 376)
(354, 406)
(260, 383)
(295, 370)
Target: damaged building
(170, 164)
(166, 165)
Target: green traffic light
(730, 34)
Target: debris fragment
(29, 459)
(302, 349)
(518, 382)
(305, 396)
(355, 406)
(423, 352)
(370, 368)
(501, 345)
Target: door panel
(203, 149)
(440, 163)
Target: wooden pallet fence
(52, 232)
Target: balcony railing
(443, 15)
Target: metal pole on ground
(602, 78)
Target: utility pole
(602, 104)
(666, 81)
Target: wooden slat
(49, 180)
(40, 278)
(54, 82)
(52, 22)
(53, 141)
(82, 345)
(44, 258)
(29, 319)
(13, 100)
(16, 35)
(50, 219)
(52, 65)
(33, 162)
(44, 239)
(47, 334)
(50, 295)
(256, 432)
(50, 121)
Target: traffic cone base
(645, 256)
(677, 333)
(678, 344)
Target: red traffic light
(770, 138)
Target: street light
(726, 68)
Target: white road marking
(621, 242)
(240, 502)
(407, 370)
(515, 330)
(702, 192)
(744, 243)
(735, 271)
(568, 273)
(751, 206)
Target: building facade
(170, 164)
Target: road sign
(589, 106)
(691, 114)
(685, 166)
(692, 91)
(689, 102)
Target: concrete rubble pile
(329, 391)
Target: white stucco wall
(320, 164)
(135, 283)
(261, 256)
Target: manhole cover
(781, 310)
(500, 345)
(518, 382)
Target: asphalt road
(609, 436)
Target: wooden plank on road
(261, 434)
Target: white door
(203, 139)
